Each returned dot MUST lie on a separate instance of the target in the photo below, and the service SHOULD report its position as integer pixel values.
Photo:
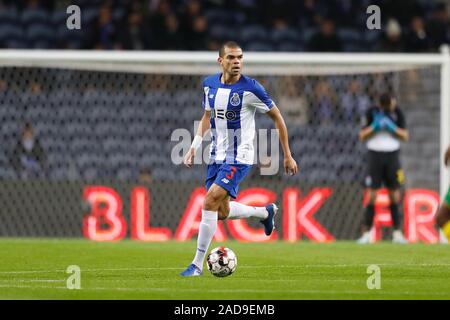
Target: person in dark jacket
(28, 158)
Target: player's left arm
(402, 133)
(400, 130)
(290, 165)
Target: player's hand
(189, 158)
(376, 124)
(388, 125)
(290, 166)
(447, 157)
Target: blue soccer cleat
(192, 271)
(269, 222)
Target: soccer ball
(221, 262)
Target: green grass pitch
(36, 269)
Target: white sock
(241, 211)
(206, 232)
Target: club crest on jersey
(235, 100)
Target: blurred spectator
(136, 34)
(103, 32)
(187, 25)
(325, 104)
(401, 10)
(417, 39)
(378, 85)
(392, 39)
(28, 158)
(169, 37)
(309, 13)
(345, 12)
(438, 26)
(145, 177)
(32, 4)
(197, 36)
(354, 102)
(412, 81)
(213, 45)
(194, 26)
(326, 40)
(293, 103)
(276, 9)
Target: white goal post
(199, 63)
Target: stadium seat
(71, 39)
(258, 46)
(39, 113)
(11, 33)
(221, 32)
(371, 39)
(119, 13)
(57, 159)
(8, 15)
(319, 175)
(90, 13)
(40, 36)
(79, 145)
(8, 173)
(127, 174)
(73, 129)
(289, 46)
(285, 35)
(307, 33)
(352, 40)
(10, 128)
(34, 16)
(59, 18)
(253, 33)
(117, 145)
(90, 173)
(47, 129)
(218, 16)
(89, 3)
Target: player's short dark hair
(385, 99)
(228, 44)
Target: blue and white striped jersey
(233, 117)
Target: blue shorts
(227, 176)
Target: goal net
(90, 144)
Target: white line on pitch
(300, 266)
(31, 280)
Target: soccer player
(230, 100)
(384, 129)
(443, 215)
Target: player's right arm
(372, 126)
(365, 133)
(201, 130)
